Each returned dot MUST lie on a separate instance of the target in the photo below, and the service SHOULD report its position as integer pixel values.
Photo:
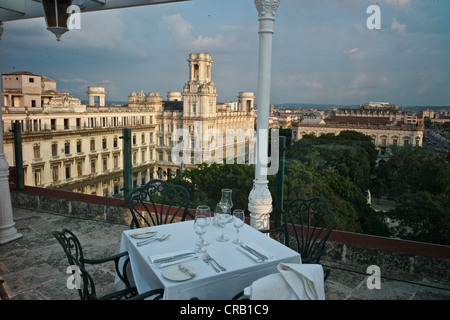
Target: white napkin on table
(271, 287)
(257, 248)
(154, 257)
(292, 282)
(306, 280)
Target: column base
(9, 233)
(260, 205)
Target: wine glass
(222, 218)
(226, 202)
(200, 225)
(238, 222)
(205, 211)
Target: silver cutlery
(162, 238)
(207, 261)
(174, 258)
(207, 256)
(184, 269)
(257, 254)
(141, 233)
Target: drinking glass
(204, 211)
(226, 202)
(238, 222)
(222, 218)
(200, 225)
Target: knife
(176, 257)
(254, 252)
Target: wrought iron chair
(314, 221)
(86, 285)
(158, 202)
(3, 293)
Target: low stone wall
(390, 262)
(83, 206)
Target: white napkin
(259, 249)
(306, 280)
(154, 257)
(292, 282)
(271, 287)
(143, 233)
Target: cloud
(354, 53)
(181, 31)
(97, 31)
(398, 27)
(105, 31)
(75, 80)
(312, 84)
(400, 3)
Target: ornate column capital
(267, 7)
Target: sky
(323, 51)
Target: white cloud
(181, 31)
(398, 27)
(97, 31)
(400, 3)
(354, 53)
(312, 84)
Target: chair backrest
(315, 221)
(158, 202)
(83, 282)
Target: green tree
(419, 182)
(423, 216)
(414, 169)
(346, 200)
(205, 182)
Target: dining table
(183, 273)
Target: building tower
(199, 94)
(96, 96)
(246, 101)
(174, 96)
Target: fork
(208, 257)
(208, 261)
(162, 238)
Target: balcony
(33, 266)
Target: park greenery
(342, 168)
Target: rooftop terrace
(33, 267)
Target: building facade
(77, 147)
(384, 122)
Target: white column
(7, 230)
(260, 199)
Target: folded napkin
(292, 282)
(271, 287)
(143, 233)
(155, 257)
(258, 249)
(306, 280)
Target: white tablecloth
(241, 272)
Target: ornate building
(71, 146)
(384, 122)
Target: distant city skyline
(323, 52)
